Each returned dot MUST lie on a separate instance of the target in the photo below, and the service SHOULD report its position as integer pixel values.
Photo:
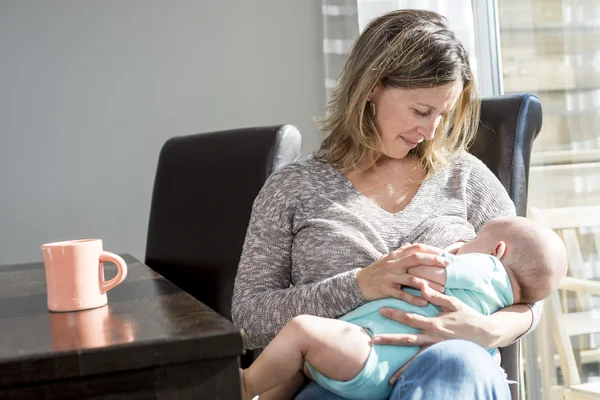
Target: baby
(511, 260)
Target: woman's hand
(386, 276)
(456, 321)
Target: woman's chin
(396, 157)
(398, 153)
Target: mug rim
(73, 242)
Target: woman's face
(406, 117)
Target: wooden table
(152, 341)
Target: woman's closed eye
(422, 113)
(427, 114)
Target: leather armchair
(206, 183)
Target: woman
(329, 232)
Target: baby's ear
(499, 250)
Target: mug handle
(105, 286)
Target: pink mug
(75, 274)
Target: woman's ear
(499, 250)
(374, 92)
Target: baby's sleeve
(470, 272)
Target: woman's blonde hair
(401, 49)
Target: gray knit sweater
(311, 231)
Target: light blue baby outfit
(479, 280)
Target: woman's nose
(429, 127)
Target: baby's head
(534, 256)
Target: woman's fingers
(439, 299)
(403, 339)
(417, 283)
(385, 277)
(416, 248)
(417, 259)
(432, 285)
(407, 297)
(413, 320)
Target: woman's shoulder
(467, 173)
(300, 177)
(486, 196)
(465, 161)
(468, 168)
(303, 170)
(293, 187)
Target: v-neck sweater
(311, 231)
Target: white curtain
(340, 29)
(344, 19)
(458, 12)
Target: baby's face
(485, 242)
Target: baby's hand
(432, 274)
(454, 247)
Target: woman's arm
(508, 324)
(263, 298)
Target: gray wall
(90, 90)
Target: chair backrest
(509, 125)
(204, 188)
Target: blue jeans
(449, 370)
